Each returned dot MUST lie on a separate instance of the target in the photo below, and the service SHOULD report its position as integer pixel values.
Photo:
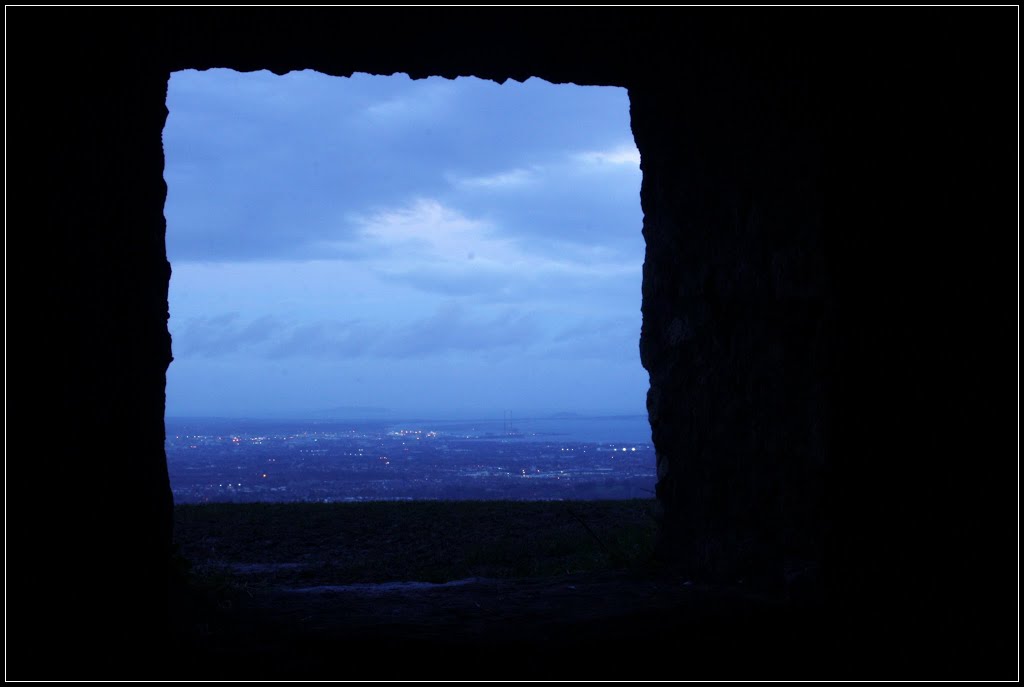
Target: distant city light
(445, 467)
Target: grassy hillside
(305, 544)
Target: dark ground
(465, 590)
(307, 544)
(521, 590)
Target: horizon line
(411, 418)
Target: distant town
(213, 460)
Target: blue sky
(377, 246)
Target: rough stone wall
(828, 292)
(89, 503)
(89, 498)
(735, 302)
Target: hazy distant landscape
(541, 458)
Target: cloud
(424, 100)
(438, 249)
(451, 328)
(611, 339)
(623, 155)
(328, 339)
(440, 280)
(223, 334)
(265, 167)
(325, 231)
(426, 228)
(512, 178)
